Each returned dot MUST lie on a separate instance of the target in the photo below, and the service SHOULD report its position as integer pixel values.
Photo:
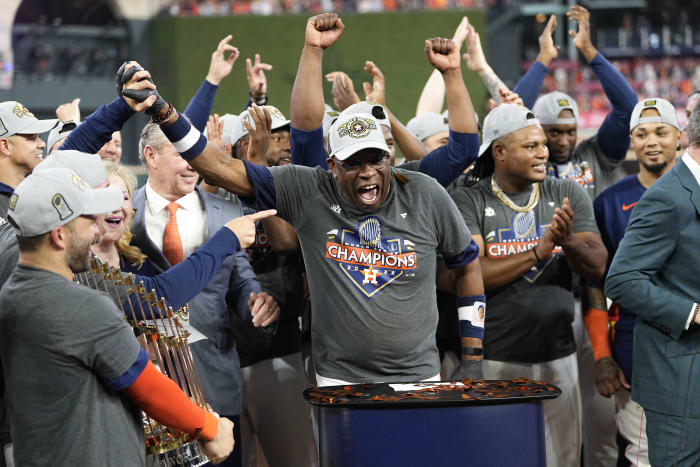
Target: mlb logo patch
(649, 103)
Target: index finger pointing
(262, 215)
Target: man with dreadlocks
(532, 231)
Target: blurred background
(54, 51)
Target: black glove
(140, 95)
(468, 369)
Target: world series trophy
(161, 333)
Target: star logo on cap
(356, 127)
(21, 111)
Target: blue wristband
(188, 141)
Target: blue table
(444, 430)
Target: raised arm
(476, 62)
(200, 105)
(307, 103)
(530, 84)
(433, 95)
(613, 135)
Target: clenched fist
(443, 54)
(323, 30)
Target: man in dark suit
(654, 274)
(173, 218)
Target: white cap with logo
(667, 113)
(548, 107)
(17, 119)
(329, 116)
(54, 197)
(503, 120)
(351, 133)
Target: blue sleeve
(613, 135)
(307, 147)
(97, 128)
(470, 253)
(260, 178)
(200, 106)
(184, 281)
(446, 163)
(528, 88)
(127, 379)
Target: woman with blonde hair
(178, 284)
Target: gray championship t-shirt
(589, 167)
(372, 275)
(529, 320)
(59, 342)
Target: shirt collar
(156, 203)
(6, 189)
(692, 165)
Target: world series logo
(369, 260)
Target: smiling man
(533, 231)
(655, 135)
(21, 147)
(369, 234)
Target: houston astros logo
(356, 127)
(369, 260)
(21, 111)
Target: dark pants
(235, 459)
(673, 441)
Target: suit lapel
(212, 210)
(141, 238)
(689, 182)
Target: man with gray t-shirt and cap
(533, 231)
(369, 234)
(21, 147)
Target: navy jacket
(216, 358)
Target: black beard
(656, 168)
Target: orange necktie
(172, 243)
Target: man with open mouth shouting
(369, 233)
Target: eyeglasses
(376, 161)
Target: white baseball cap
(53, 197)
(17, 119)
(548, 107)
(59, 132)
(329, 116)
(238, 131)
(427, 124)
(89, 167)
(667, 113)
(351, 133)
(504, 120)
(376, 110)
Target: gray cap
(504, 120)
(54, 197)
(238, 131)
(354, 132)
(89, 167)
(16, 119)
(548, 107)
(445, 113)
(427, 124)
(58, 133)
(329, 116)
(667, 113)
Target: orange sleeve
(164, 401)
(596, 322)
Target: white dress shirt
(695, 170)
(191, 220)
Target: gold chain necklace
(532, 202)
